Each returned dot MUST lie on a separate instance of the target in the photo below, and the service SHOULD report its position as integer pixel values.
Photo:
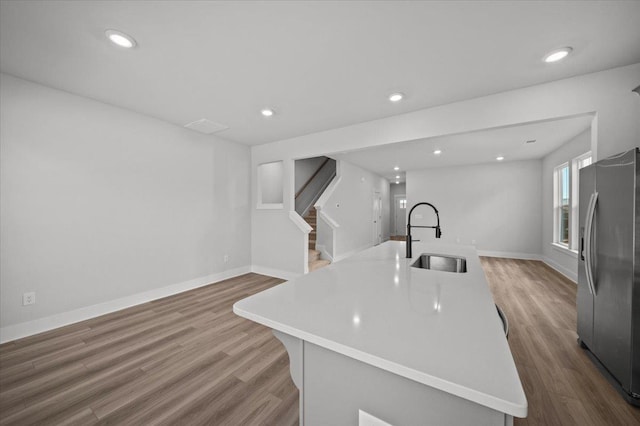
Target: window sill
(565, 250)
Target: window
(561, 210)
(565, 205)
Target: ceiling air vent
(206, 126)
(531, 141)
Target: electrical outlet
(29, 298)
(226, 258)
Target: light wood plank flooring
(188, 359)
(562, 385)
(185, 359)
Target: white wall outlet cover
(29, 298)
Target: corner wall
(101, 204)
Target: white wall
(496, 204)
(99, 203)
(351, 206)
(607, 93)
(560, 259)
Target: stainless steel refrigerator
(608, 298)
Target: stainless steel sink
(438, 262)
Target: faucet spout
(409, 253)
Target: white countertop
(438, 328)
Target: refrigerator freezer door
(635, 350)
(613, 269)
(585, 296)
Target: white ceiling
(320, 65)
(469, 148)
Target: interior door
(377, 218)
(400, 212)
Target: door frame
(395, 214)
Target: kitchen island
(371, 337)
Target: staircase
(314, 255)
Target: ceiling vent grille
(531, 141)
(206, 126)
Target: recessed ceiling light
(267, 112)
(500, 158)
(437, 152)
(396, 168)
(120, 39)
(557, 55)
(396, 97)
(397, 183)
(398, 177)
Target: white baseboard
(564, 271)
(528, 256)
(509, 255)
(29, 328)
(339, 257)
(271, 272)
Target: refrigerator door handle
(591, 210)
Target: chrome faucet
(437, 227)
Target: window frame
(557, 205)
(573, 166)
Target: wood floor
(186, 359)
(189, 360)
(562, 385)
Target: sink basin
(438, 262)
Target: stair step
(314, 255)
(318, 264)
